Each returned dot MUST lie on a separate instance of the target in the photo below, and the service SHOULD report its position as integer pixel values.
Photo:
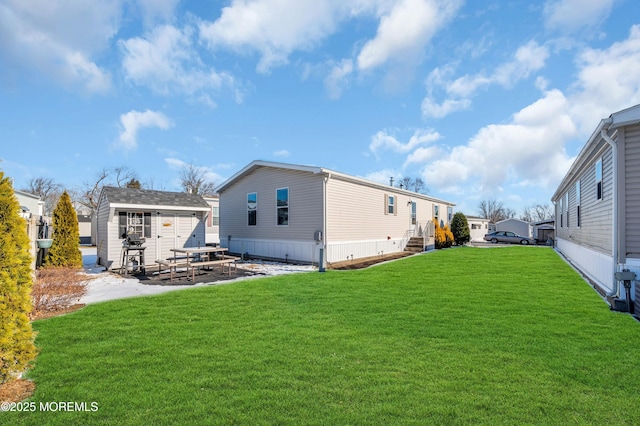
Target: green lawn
(461, 336)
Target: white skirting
(597, 266)
(309, 251)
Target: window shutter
(147, 225)
(395, 205)
(386, 204)
(122, 224)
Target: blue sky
(481, 99)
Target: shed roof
(149, 198)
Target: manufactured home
(597, 206)
(312, 214)
(165, 220)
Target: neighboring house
(288, 211)
(478, 227)
(597, 204)
(30, 203)
(520, 227)
(544, 230)
(84, 228)
(213, 220)
(32, 209)
(165, 219)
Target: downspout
(615, 292)
(324, 221)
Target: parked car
(508, 237)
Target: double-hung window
(134, 223)
(252, 209)
(566, 206)
(436, 212)
(282, 206)
(599, 179)
(390, 204)
(449, 213)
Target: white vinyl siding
(305, 205)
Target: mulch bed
(16, 390)
(367, 261)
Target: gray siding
(305, 205)
(632, 191)
(102, 232)
(596, 215)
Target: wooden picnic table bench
(171, 266)
(227, 260)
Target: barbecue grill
(132, 254)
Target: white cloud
(157, 10)
(423, 155)
(167, 62)
(529, 149)
(338, 78)
(58, 40)
(527, 59)
(274, 28)
(281, 153)
(277, 28)
(608, 81)
(568, 16)
(384, 140)
(405, 30)
(133, 121)
(383, 176)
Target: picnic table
(194, 258)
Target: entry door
(413, 216)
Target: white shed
(164, 219)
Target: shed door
(176, 231)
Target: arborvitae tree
(65, 249)
(460, 229)
(17, 349)
(441, 238)
(448, 235)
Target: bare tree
(47, 189)
(537, 213)
(494, 210)
(88, 195)
(406, 183)
(194, 180)
(543, 212)
(420, 186)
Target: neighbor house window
(252, 209)
(449, 213)
(282, 202)
(566, 206)
(599, 180)
(215, 216)
(134, 223)
(561, 211)
(476, 226)
(578, 203)
(436, 211)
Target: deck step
(415, 245)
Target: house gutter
(615, 292)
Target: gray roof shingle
(152, 197)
